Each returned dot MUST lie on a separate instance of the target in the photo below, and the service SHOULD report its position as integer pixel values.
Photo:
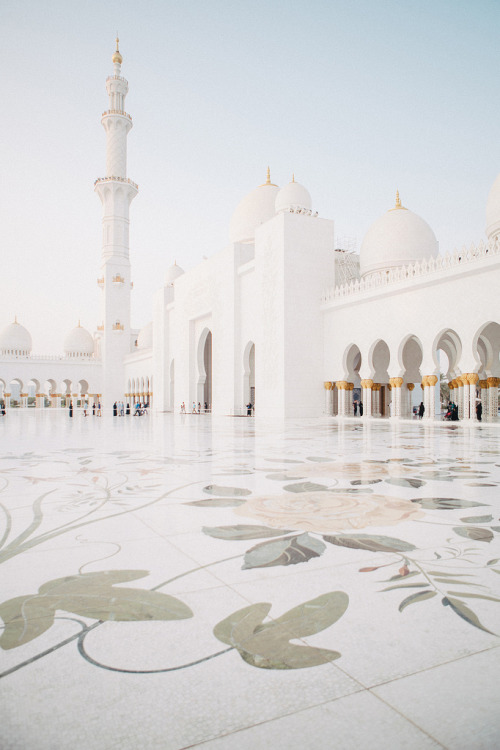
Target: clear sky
(357, 97)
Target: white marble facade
(280, 317)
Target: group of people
(195, 409)
(119, 409)
(96, 408)
(358, 407)
(452, 412)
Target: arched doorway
(204, 387)
(379, 360)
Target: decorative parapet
(118, 327)
(101, 327)
(100, 281)
(116, 179)
(116, 112)
(459, 258)
(118, 279)
(116, 78)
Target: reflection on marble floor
(179, 581)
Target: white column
(472, 379)
(366, 397)
(460, 397)
(6, 398)
(410, 387)
(465, 397)
(328, 398)
(493, 384)
(430, 392)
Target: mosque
(280, 317)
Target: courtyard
(178, 581)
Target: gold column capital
(472, 378)
(327, 385)
(396, 382)
(367, 383)
(432, 379)
(483, 384)
(493, 382)
(410, 386)
(462, 380)
(342, 385)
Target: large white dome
(398, 238)
(255, 209)
(172, 274)
(15, 339)
(292, 197)
(145, 337)
(79, 343)
(493, 210)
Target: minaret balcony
(116, 78)
(116, 179)
(118, 279)
(100, 328)
(118, 326)
(120, 112)
(100, 282)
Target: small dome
(79, 343)
(255, 209)
(15, 339)
(493, 210)
(172, 274)
(145, 337)
(398, 238)
(293, 196)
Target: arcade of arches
(393, 382)
(45, 394)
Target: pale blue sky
(357, 98)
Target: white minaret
(116, 192)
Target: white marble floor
(185, 581)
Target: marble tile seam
(425, 670)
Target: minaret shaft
(116, 192)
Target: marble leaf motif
(88, 595)
(267, 645)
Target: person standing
(128, 410)
(249, 409)
(71, 408)
(93, 409)
(99, 409)
(115, 409)
(421, 410)
(479, 411)
(355, 408)
(360, 408)
(85, 408)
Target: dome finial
(268, 177)
(398, 202)
(117, 58)
(293, 177)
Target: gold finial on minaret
(398, 202)
(293, 177)
(117, 58)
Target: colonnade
(462, 392)
(143, 397)
(55, 400)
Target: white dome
(79, 343)
(172, 274)
(15, 339)
(145, 337)
(493, 210)
(398, 238)
(255, 209)
(293, 196)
